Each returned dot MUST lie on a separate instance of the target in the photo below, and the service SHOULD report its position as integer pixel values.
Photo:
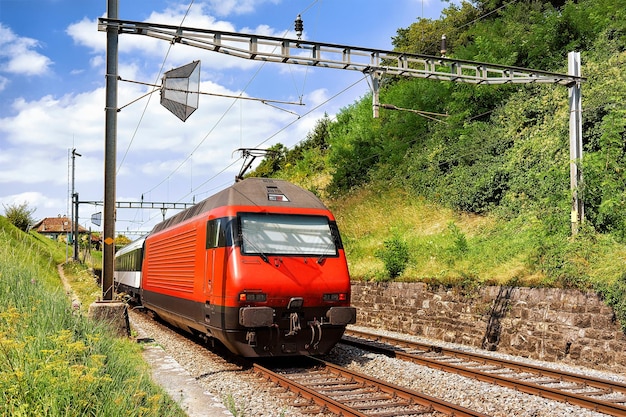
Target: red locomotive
(259, 266)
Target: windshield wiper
(324, 254)
(259, 251)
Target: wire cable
(269, 138)
(143, 113)
(260, 67)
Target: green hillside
(482, 195)
(53, 360)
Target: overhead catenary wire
(143, 113)
(226, 111)
(269, 138)
(204, 139)
(212, 129)
(169, 176)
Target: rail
(580, 390)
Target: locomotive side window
(219, 232)
(286, 234)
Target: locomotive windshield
(286, 234)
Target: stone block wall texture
(554, 325)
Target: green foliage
(53, 361)
(460, 245)
(306, 157)
(614, 295)
(395, 256)
(424, 36)
(604, 127)
(20, 215)
(272, 163)
(354, 147)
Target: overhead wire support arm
(143, 204)
(238, 97)
(329, 55)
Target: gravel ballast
(245, 394)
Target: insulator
(443, 45)
(299, 26)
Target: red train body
(259, 266)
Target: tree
(20, 215)
(272, 163)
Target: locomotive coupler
(294, 324)
(251, 338)
(314, 325)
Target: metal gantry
(328, 55)
(163, 206)
(374, 62)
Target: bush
(395, 256)
(20, 215)
(615, 296)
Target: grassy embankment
(450, 249)
(55, 361)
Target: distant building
(53, 227)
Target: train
(259, 266)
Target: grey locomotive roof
(250, 192)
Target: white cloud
(237, 7)
(141, 47)
(18, 55)
(37, 201)
(85, 33)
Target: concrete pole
(375, 93)
(576, 142)
(110, 150)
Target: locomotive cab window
(287, 234)
(219, 232)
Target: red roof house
(52, 227)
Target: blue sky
(52, 61)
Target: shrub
(459, 240)
(20, 215)
(395, 256)
(614, 295)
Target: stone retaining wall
(548, 324)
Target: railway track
(600, 395)
(323, 386)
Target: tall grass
(53, 360)
(448, 248)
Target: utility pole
(576, 142)
(115, 313)
(110, 151)
(74, 219)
